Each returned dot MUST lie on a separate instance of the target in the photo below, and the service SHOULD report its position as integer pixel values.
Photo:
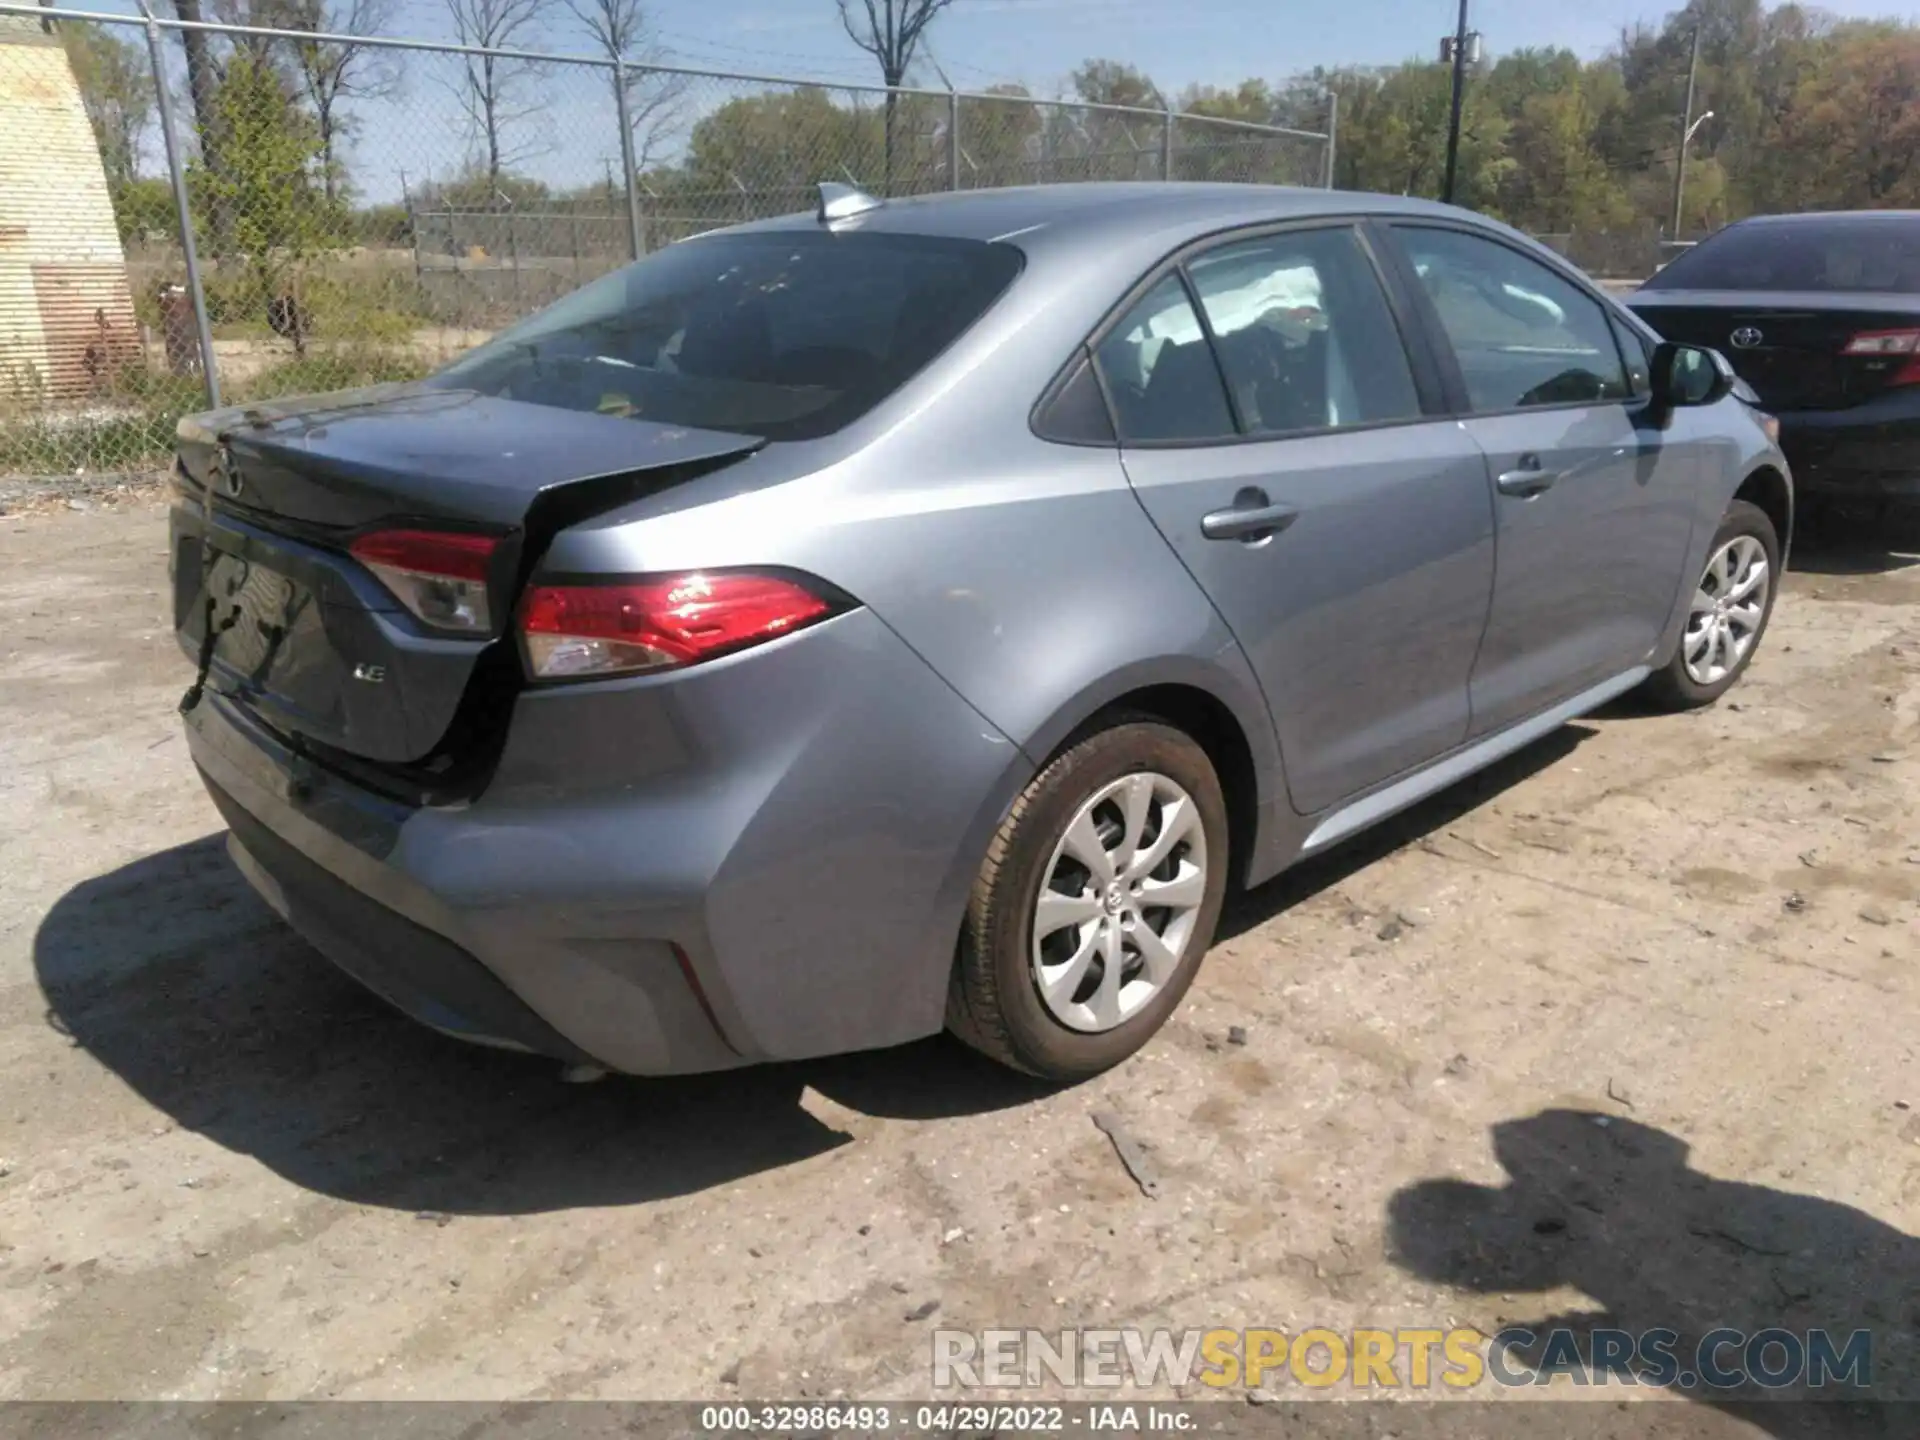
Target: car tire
(1016, 994)
(1684, 683)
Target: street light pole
(1687, 127)
(1459, 97)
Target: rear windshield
(1836, 255)
(787, 335)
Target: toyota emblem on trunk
(1746, 337)
(223, 474)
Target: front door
(1592, 503)
(1276, 437)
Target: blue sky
(1178, 41)
(565, 138)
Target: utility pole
(1459, 54)
(1686, 134)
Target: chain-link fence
(208, 213)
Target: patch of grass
(128, 429)
(343, 302)
(112, 444)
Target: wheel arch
(1767, 488)
(1232, 727)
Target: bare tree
(890, 31)
(654, 99)
(491, 88)
(202, 74)
(116, 87)
(261, 14)
(331, 74)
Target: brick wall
(66, 315)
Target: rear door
(1592, 503)
(1276, 430)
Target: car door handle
(1526, 482)
(1252, 518)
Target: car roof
(1066, 215)
(1815, 217)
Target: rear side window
(787, 335)
(1160, 374)
(1838, 255)
(1304, 333)
(1524, 337)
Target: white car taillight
(1891, 345)
(1884, 342)
(441, 577)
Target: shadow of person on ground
(172, 974)
(1612, 1208)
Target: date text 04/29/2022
(942, 1419)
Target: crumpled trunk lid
(283, 619)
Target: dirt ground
(225, 1172)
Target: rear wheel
(1727, 614)
(1097, 900)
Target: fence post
(634, 243)
(1166, 146)
(513, 257)
(177, 169)
(953, 139)
(1333, 132)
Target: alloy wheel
(1729, 607)
(1122, 892)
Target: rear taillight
(1884, 342)
(629, 627)
(1890, 345)
(440, 577)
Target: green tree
(1000, 138)
(143, 207)
(265, 198)
(762, 154)
(1393, 135)
(1863, 105)
(1237, 152)
(1558, 180)
(1103, 144)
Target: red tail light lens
(440, 577)
(631, 627)
(1890, 345)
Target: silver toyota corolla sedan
(918, 614)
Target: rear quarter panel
(1023, 571)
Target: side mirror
(1689, 376)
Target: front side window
(1524, 337)
(1160, 375)
(787, 335)
(1304, 333)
